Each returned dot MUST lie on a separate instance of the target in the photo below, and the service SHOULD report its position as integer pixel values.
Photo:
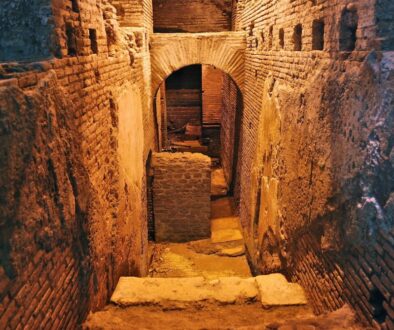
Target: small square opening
(93, 41)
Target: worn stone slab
(225, 223)
(132, 291)
(274, 290)
(226, 235)
(218, 183)
(232, 252)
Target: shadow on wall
(45, 202)
(26, 30)
(384, 20)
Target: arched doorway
(199, 109)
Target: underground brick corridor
(197, 164)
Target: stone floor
(207, 284)
(218, 183)
(219, 317)
(222, 255)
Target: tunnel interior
(196, 164)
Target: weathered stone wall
(384, 13)
(181, 196)
(73, 194)
(192, 15)
(317, 150)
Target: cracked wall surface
(313, 174)
(317, 140)
(76, 131)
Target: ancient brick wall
(75, 217)
(45, 268)
(181, 196)
(134, 13)
(183, 94)
(191, 15)
(316, 156)
(183, 106)
(188, 49)
(161, 114)
(230, 134)
(212, 85)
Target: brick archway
(171, 52)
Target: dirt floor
(240, 317)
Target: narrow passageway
(197, 164)
(207, 284)
(222, 255)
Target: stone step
(226, 229)
(271, 290)
(218, 183)
(275, 290)
(184, 290)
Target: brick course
(181, 196)
(303, 125)
(79, 248)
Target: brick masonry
(311, 204)
(181, 196)
(231, 121)
(73, 214)
(212, 86)
(188, 46)
(315, 146)
(183, 106)
(192, 15)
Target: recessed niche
(75, 6)
(93, 41)
(71, 40)
(317, 35)
(348, 30)
(281, 38)
(297, 37)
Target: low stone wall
(181, 196)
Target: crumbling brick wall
(75, 217)
(316, 151)
(181, 196)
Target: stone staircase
(193, 286)
(270, 290)
(207, 284)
